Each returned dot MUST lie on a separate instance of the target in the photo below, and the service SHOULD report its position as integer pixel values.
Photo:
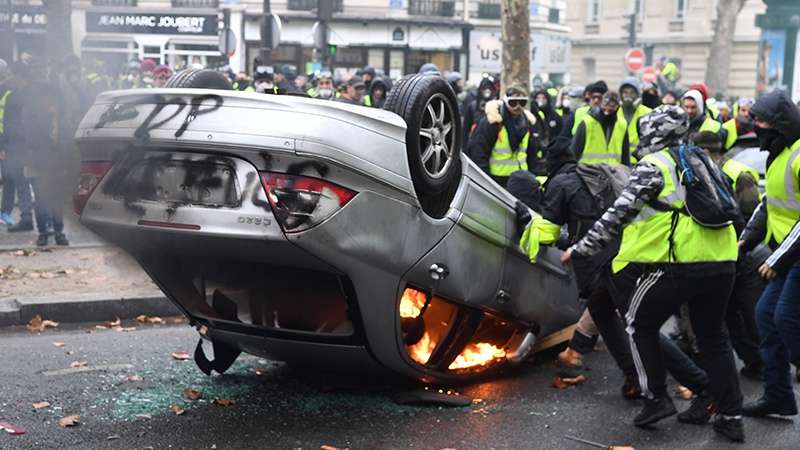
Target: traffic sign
(634, 59)
(649, 75)
(227, 42)
(270, 31)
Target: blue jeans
(778, 320)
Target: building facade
(397, 36)
(682, 30)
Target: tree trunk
(719, 61)
(58, 40)
(516, 43)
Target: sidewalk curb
(83, 308)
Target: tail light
(300, 203)
(88, 178)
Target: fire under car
(320, 233)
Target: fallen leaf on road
(47, 275)
(181, 355)
(59, 344)
(144, 416)
(41, 405)
(134, 378)
(83, 272)
(34, 275)
(177, 409)
(70, 420)
(37, 324)
(119, 328)
(70, 352)
(561, 383)
(78, 363)
(192, 394)
(176, 320)
(328, 447)
(224, 401)
(108, 324)
(24, 252)
(143, 318)
(11, 429)
(89, 331)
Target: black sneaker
(61, 239)
(654, 410)
(631, 389)
(22, 225)
(700, 412)
(732, 429)
(41, 241)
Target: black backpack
(710, 199)
(605, 182)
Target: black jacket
(579, 140)
(484, 137)
(472, 110)
(567, 201)
(553, 121)
(777, 109)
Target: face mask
(608, 114)
(263, 87)
(541, 103)
(486, 94)
(628, 100)
(131, 78)
(770, 139)
(325, 93)
(746, 125)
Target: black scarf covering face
(513, 128)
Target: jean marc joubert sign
(144, 23)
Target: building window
(431, 8)
(195, 3)
(113, 2)
(554, 15)
(680, 9)
(308, 5)
(489, 9)
(589, 68)
(594, 11)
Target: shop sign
(398, 34)
(25, 19)
(549, 52)
(143, 23)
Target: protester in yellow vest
(602, 135)
(502, 142)
(631, 108)
(594, 92)
(777, 222)
(692, 103)
(684, 262)
(741, 123)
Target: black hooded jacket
(777, 109)
(377, 83)
(579, 140)
(567, 201)
(472, 111)
(553, 121)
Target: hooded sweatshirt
(473, 112)
(553, 121)
(777, 109)
(377, 83)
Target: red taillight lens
(89, 176)
(300, 203)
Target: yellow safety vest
(3, 108)
(503, 160)
(367, 100)
(733, 132)
(783, 193)
(710, 125)
(734, 168)
(633, 132)
(580, 113)
(646, 240)
(595, 149)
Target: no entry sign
(634, 59)
(649, 75)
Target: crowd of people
(643, 256)
(640, 255)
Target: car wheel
(199, 78)
(429, 107)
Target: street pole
(265, 53)
(325, 14)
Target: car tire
(429, 107)
(199, 78)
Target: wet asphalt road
(282, 407)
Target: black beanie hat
(599, 87)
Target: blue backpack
(710, 199)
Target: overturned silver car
(320, 233)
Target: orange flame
(478, 354)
